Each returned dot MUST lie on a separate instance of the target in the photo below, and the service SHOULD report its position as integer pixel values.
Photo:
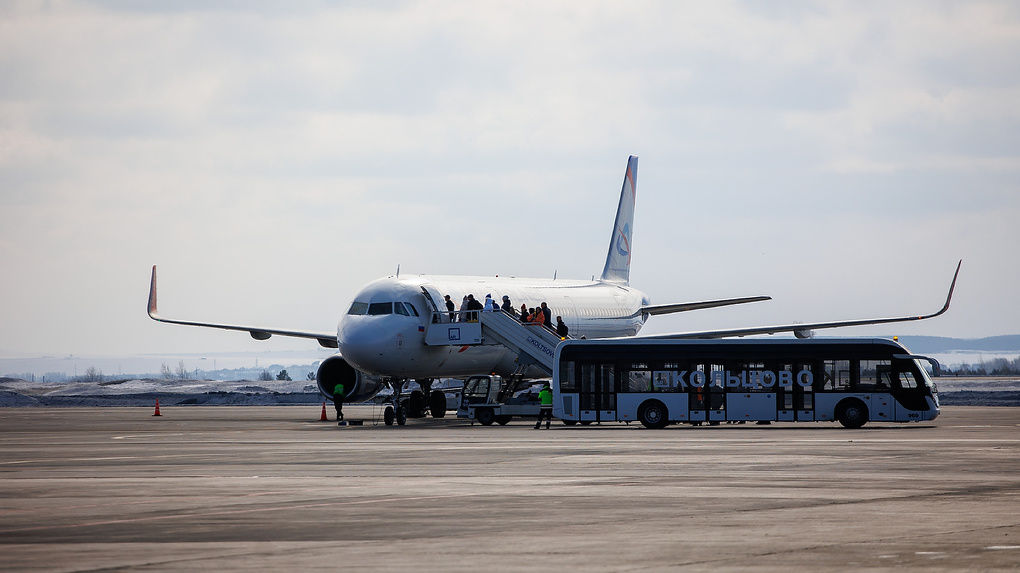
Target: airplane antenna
(554, 275)
(398, 271)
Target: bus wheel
(569, 422)
(485, 416)
(653, 414)
(585, 422)
(388, 416)
(437, 403)
(503, 420)
(852, 413)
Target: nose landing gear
(417, 404)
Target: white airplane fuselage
(393, 344)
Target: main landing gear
(416, 404)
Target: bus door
(750, 392)
(597, 393)
(803, 392)
(697, 398)
(876, 378)
(785, 411)
(715, 389)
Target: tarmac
(272, 488)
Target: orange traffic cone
(157, 408)
(323, 418)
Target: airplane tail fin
(618, 260)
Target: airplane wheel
(437, 404)
(388, 416)
(401, 415)
(416, 406)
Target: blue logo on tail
(623, 242)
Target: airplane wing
(325, 339)
(654, 309)
(805, 330)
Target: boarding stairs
(534, 343)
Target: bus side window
(664, 381)
(907, 380)
(874, 375)
(568, 383)
(836, 375)
(639, 381)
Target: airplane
(381, 338)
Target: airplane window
(410, 307)
(398, 307)
(358, 308)
(377, 308)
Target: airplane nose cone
(364, 344)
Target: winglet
(949, 297)
(152, 296)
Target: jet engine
(358, 386)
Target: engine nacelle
(358, 386)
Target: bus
(661, 382)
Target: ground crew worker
(545, 399)
(338, 403)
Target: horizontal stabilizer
(325, 339)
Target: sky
(272, 158)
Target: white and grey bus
(660, 382)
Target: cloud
(275, 158)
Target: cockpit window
(398, 308)
(358, 308)
(377, 308)
(410, 307)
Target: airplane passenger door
(432, 298)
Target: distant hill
(940, 344)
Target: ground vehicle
(492, 398)
(659, 382)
